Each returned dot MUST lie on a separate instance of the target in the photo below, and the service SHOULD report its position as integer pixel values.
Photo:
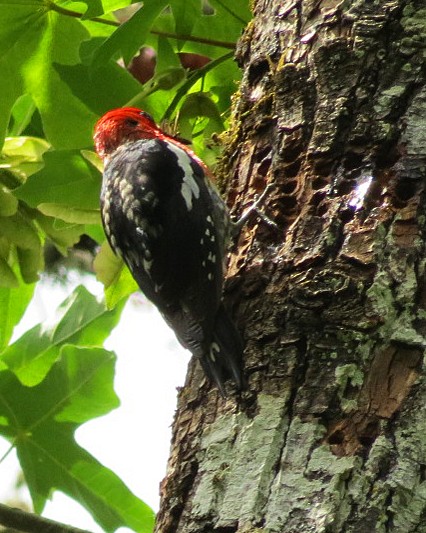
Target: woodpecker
(162, 214)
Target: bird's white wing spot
(107, 219)
(147, 265)
(214, 347)
(133, 258)
(125, 188)
(189, 188)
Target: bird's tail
(223, 359)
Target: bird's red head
(127, 124)
(123, 125)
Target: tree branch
(211, 42)
(32, 523)
(192, 79)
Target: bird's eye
(146, 115)
(131, 122)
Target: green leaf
(107, 265)
(5, 248)
(89, 84)
(238, 10)
(58, 41)
(219, 27)
(164, 80)
(93, 159)
(97, 7)
(13, 302)
(166, 56)
(71, 214)
(169, 78)
(62, 234)
(30, 148)
(20, 230)
(96, 232)
(24, 155)
(30, 263)
(94, 8)
(130, 36)
(198, 105)
(41, 422)
(8, 279)
(191, 82)
(67, 178)
(122, 287)
(32, 38)
(208, 31)
(90, 381)
(186, 14)
(10, 88)
(8, 202)
(80, 320)
(22, 112)
(115, 276)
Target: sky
(133, 440)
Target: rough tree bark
(331, 435)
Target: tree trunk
(331, 434)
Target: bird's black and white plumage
(164, 217)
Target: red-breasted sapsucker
(163, 216)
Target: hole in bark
(263, 168)
(399, 204)
(291, 150)
(366, 441)
(322, 210)
(287, 203)
(352, 160)
(257, 70)
(345, 187)
(422, 473)
(292, 170)
(337, 437)
(318, 197)
(347, 215)
(289, 186)
(405, 189)
(263, 153)
(387, 155)
(323, 167)
(319, 183)
(369, 434)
